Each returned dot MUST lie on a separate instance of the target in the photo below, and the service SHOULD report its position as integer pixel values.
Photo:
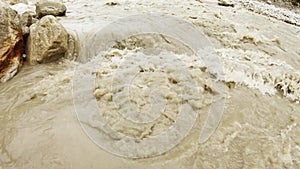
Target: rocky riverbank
(32, 36)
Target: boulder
(47, 41)
(11, 43)
(55, 8)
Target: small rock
(225, 3)
(193, 17)
(47, 41)
(26, 19)
(11, 43)
(34, 20)
(55, 8)
(112, 3)
(25, 31)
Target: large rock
(55, 8)
(47, 41)
(11, 43)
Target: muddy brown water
(259, 128)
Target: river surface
(260, 58)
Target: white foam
(260, 71)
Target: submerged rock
(11, 43)
(47, 41)
(54, 8)
(112, 3)
(225, 3)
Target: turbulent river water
(260, 128)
